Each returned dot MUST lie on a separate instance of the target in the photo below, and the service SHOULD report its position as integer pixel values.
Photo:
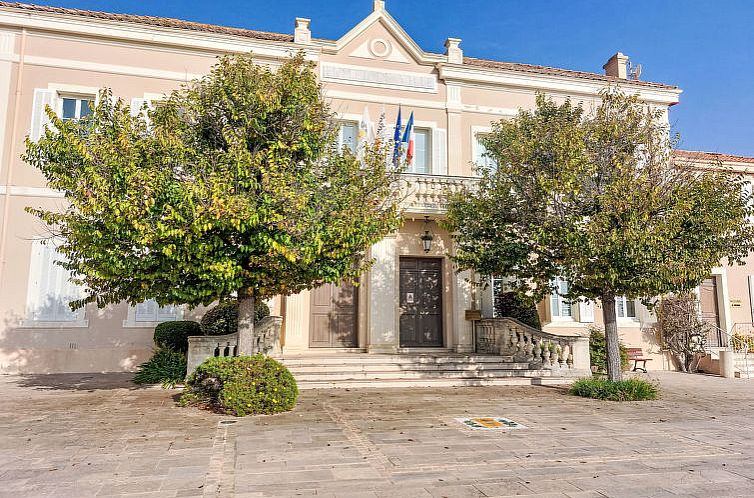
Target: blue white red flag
(408, 139)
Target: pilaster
(383, 336)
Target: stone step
(441, 382)
(409, 375)
(391, 359)
(405, 367)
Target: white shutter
(146, 311)
(50, 289)
(439, 152)
(586, 312)
(136, 105)
(167, 313)
(39, 118)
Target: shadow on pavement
(79, 382)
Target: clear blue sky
(704, 46)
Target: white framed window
(482, 157)
(74, 106)
(422, 161)
(625, 308)
(560, 307)
(50, 290)
(149, 314)
(348, 135)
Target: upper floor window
(348, 134)
(625, 308)
(75, 107)
(482, 157)
(560, 306)
(422, 160)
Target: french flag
(408, 139)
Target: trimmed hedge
(222, 319)
(165, 367)
(174, 335)
(623, 390)
(242, 385)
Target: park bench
(637, 356)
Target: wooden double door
(421, 302)
(333, 320)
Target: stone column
(383, 334)
(463, 337)
(727, 364)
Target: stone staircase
(358, 370)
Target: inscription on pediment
(354, 75)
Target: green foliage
(513, 305)
(742, 342)
(174, 335)
(597, 199)
(622, 390)
(222, 318)
(242, 385)
(165, 367)
(232, 183)
(598, 350)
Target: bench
(637, 356)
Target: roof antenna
(634, 71)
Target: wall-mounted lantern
(427, 236)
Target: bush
(598, 350)
(174, 335)
(622, 390)
(222, 319)
(512, 305)
(165, 367)
(242, 385)
(742, 343)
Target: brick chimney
(454, 50)
(302, 33)
(617, 66)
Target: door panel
(333, 316)
(708, 300)
(421, 302)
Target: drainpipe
(11, 153)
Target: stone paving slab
(100, 435)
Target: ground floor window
(625, 308)
(50, 289)
(561, 307)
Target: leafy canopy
(232, 183)
(595, 198)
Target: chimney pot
(379, 5)
(454, 50)
(302, 33)
(617, 66)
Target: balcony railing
(429, 193)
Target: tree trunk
(611, 336)
(245, 323)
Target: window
(498, 288)
(625, 308)
(75, 107)
(561, 307)
(50, 289)
(348, 136)
(482, 157)
(149, 312)
(422, 162)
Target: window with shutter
(422, 160)
(482, 157)
(348, 135)
(149, 313)
(560, 307)
(625, 308)
(39, 119)
(50, 289)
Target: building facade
(412, 299)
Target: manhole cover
(490, 423)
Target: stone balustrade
(565, 355)
(429, 193)
(266, 340)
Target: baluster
(561, 356)
(569, 355)
(226, 351)
(528, 345)
(235, 349)
(537, 351)
(217, 350)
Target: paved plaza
(99, 435)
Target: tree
(233, 184)
(683, 332)
(596, 199)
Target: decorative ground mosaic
(490, 423)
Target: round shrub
(222, 319)
(242, 385)
(174, 335)
(165, 367)
(511, 305)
